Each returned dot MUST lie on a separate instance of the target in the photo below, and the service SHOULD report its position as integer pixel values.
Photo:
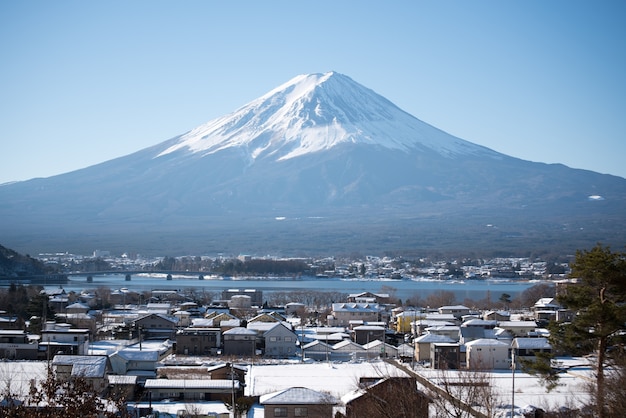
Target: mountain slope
(317, 112)
(338, 162)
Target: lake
(402, 289)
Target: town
(242, 352)
(162, 353)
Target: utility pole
(232, 380)
(513, 382)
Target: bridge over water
(62, 278)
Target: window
(273, 339)
(300, 411)
(280, 412)
(288, 339)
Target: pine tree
(599, 300)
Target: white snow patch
(316, 112)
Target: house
(368, 297)
(294, 308)
(342, 313)
(267, 317)
(467, 334)
(193, 389)
(405, 352)
(456, 310)
(419, 327)
(280, 341)
(366, 333)
(545, 309)
(227, 371)
(196, 341)
(9, 321)
(240, 342)
(224, 320)
(93, 369)
(156, 326)
(445, 355)
(131, 362)
(347, 350)
(422, 345)
(526, 348)
(77, 308)
(122, 387)
(201, 323)
(450, 331)
(255, 296)
(58, 301)
(392, 396)
(298, 402)
(162, 308)
(317, 350)
(497, 316)
(487, 353)
(77, 315)
(331, 335)
(518, 328)
(183, 318)
(480, 323)
(57, 338)
(405, 319)
(17, 345)
(380, 349)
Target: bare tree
(464, 393)
(440, 298)
(389, 393)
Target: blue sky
(84, 82)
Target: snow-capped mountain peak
(316, 112)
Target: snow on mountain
(316, 112)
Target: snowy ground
(529, 392)
(339, 379)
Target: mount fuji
(319, 164)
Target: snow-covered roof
(317, 343)
(454, 308)
(355, 307)
(240, 331)
(192, 384)
(433, 338)
(138, 355)
(547, 302)
(480, 323)
(369, 328)
(517, 324)
(333, 378)
(531, 343)
(483, 342)
(297, 396)
(85, 366)
(201, 322)
(347, 343)
(115, 379)
(77, 305)
(222, 365)
(379, 345)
